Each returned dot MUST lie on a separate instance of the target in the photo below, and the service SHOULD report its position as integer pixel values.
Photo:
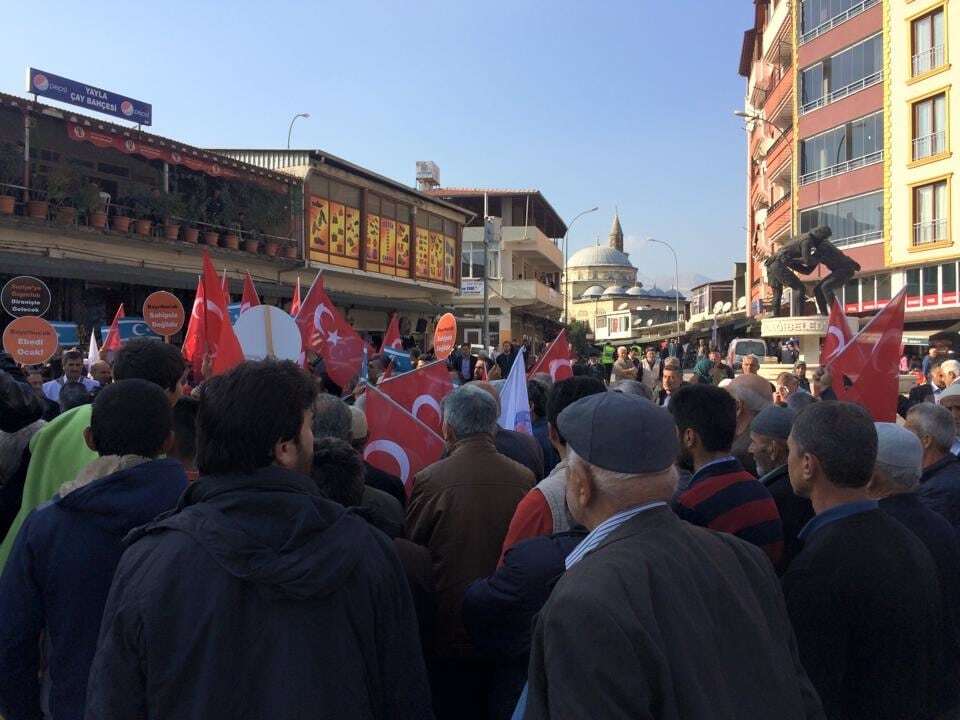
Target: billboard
(40, 82)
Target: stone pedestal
(808, 330)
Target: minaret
(616, 233)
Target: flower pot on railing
(190, 234)
(171, 230)
(290, 251)
(251, 245)
(143, 227)
(38, 209)
(66, 215)
(210, 237)
(270, 248)
(97, 219)
(231, 240)
(121, 223)
(6, 204)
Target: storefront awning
(922, 336)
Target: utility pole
(485, 336)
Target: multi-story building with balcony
(524, 270)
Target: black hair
(246, 412)
(73, 394)
(185, 429)
(338, 471)
(537, 395)
(131, 417)
(71, 354)
(566, 392)
(842, 437)
(709, 411)
(160, 363)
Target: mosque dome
(599, 256)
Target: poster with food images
(319, 223)
(403, 245)
(436, 256)
(338, 229)
(352, 232)
(449, 258)
(388, 242)
(373, 238)
(423, 252)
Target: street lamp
(754, 116)
(292, 121)
(676, 280)
(566, 260)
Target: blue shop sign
(67, 333)
(55, 87)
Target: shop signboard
(471, 287)
(55, 87)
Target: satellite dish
(717, 307)
(623, 306)
(649, 322)
(727, 306)
(741, 303)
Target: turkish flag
(250, 298)
(556, 359)
(325, 331)
(838, 334)
(398, 443)
(867, 370)
(221, 342)
(112, 343)
(195, 341)
(295, 303)
(421, 392)
(391, 338)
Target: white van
(741, 347)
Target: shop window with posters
(334, 229)
(403, 241)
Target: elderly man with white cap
(894, 484)
(950, 399)
(655, 617)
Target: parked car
(741, 347)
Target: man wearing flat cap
(655, 617)
(769, 431)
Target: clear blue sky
(624, 103)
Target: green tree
(577, 334)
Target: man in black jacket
(863, 594)
(940, 482)
(256, 597)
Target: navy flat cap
(773, 421)
(622, 433)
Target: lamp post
(754, 116)
(566, 261)
(676, 280)
(292, 121)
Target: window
(851, 296)
(855, 220)
(845, 148)
(929, 285)
(927, 37)
(884, 292)
(846, 72)
(913, 287)
(930, 213)
(471, 261)
(930, 126)
(818, 16)
(948, 282)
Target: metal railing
(930, 231)
(839, 19)
(932, 144)
(778, 203)
(841, 168)
(843, 92)
(928, 60)
(856, 239)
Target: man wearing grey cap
(655, 617)
(768, 444)
(950, 399)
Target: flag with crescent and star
(838, 334)
(250, 298)
(391, 339)
(113, 343)
(398, 443)
(556, 359)
(866, 371)
(195, 342)
(421, 392)
(325, 331)
(221, 342)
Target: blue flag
(514, 403)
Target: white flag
(93, 354)
(514, 403)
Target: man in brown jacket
(460, 509)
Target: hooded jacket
(256, 598)
(59, 573)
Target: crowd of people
(663, 545)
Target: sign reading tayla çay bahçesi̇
(163, 312)
(25, 295)
(55, 87)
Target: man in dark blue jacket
(55, 584)
(256, 597)
(940, 482)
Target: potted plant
(145, 205)
(90, 204)
(121, 215)
(229, 213)
(11, 173)
(63, 186)
(173, 207)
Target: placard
(30, 340)
(445, 336)
(164, 313)
(265, 331)
(25, 295)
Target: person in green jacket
(58, 451)
(606, 359)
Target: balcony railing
(928, 145)
(930, 231)
(927, 60)
(778, 203)
(857, 239)
(850, 12)
(843, 92)
(841, 168)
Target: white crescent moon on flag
(393, 450)
(318, 317)
(197, 304)
(838, 334)
(557, 364)
(427, 400)
(212, 307)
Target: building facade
(524, 270)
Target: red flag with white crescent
(295, 303)
(112, 343)
(398, 443)
(838, 334)
(421, 392)
(222, 343)
(325, 331)
(391, 339)
(250, 298)
(556, 359)
(195, 341)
